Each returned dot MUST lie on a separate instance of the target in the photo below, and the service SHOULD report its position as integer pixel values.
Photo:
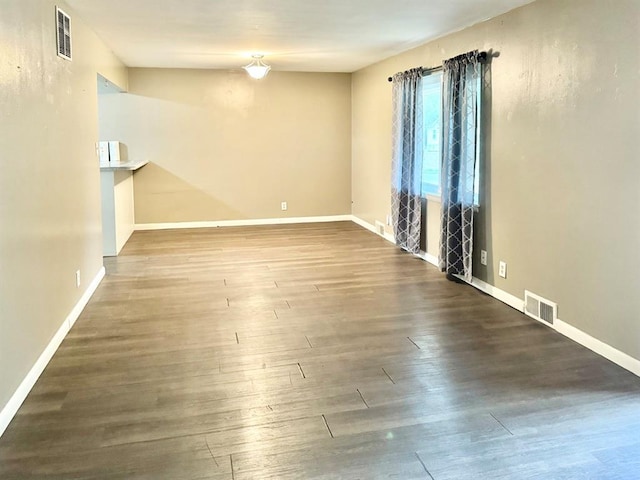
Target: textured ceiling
(298, 35)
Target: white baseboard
(86, 296)
(432, 259)
(427, 257)
(14, 403)
(504, 297)
(387, 236)
(607, 351)
(243, 223)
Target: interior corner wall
(49, 182)
(561, 178)
(223, 146)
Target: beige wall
(49, 180)
(562, 178)
(225, 147)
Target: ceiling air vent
(63, 34)
(539, 308)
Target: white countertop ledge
(130, 165)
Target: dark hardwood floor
(314, 352)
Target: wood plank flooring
(313, 351)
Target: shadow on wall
(163, 197)
(234, 149)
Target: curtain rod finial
(390, 79)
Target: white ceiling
(295, 35)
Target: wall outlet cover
(483, 257)
(502, 270)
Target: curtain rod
(482, 56)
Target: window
(432, 120)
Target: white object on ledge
(103, 152)
(114, 151)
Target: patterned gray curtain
(408, 144)
(461, 95)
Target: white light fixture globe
(257, 68)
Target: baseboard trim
(364, 224)
(607, 351)
(86, 296)
(504, 297)
(16, 400)
(432, 259)
(427, 257)
(242, 223)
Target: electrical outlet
(77, 278)
(283, 206)
(388, 219)
(502, 270)
(483, 257)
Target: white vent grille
(63, 34)
(540, 308)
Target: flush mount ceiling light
(257, 68)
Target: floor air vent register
(541, 309)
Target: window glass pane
(432, 120)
